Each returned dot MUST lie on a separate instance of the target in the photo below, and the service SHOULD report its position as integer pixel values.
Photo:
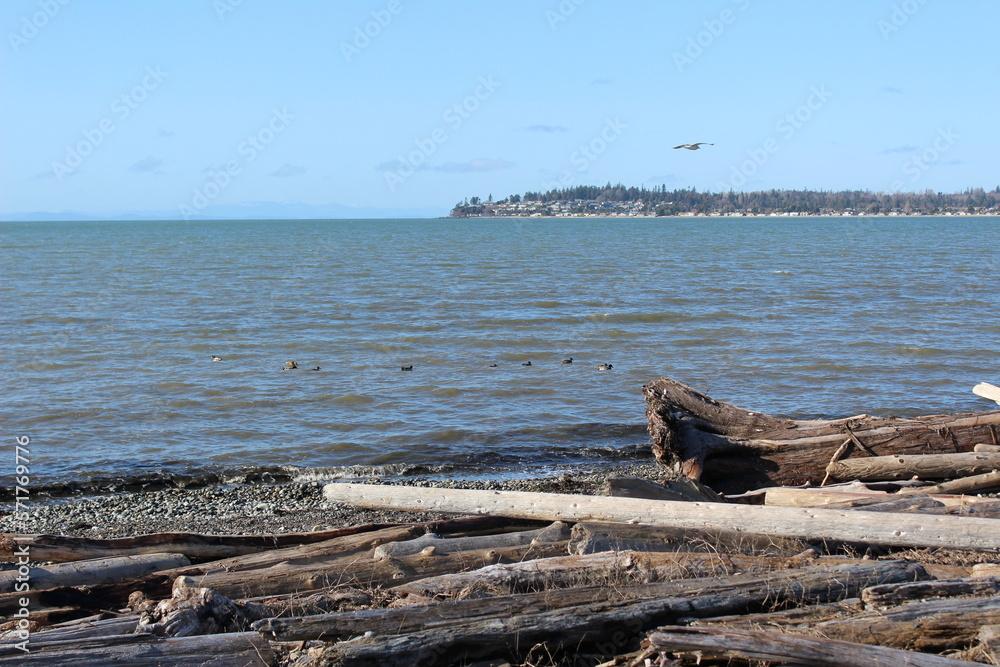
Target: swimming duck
(290, 366)
(604, 367)
(406, 368)
(567, 361)
(216, 358)
(313, 369)
(527, 363)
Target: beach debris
(987, 390)
(733, 450)
(660, 572)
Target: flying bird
(694, 147)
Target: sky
(185, 107)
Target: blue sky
(112, 107)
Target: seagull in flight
(694, 147)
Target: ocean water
(109, 329)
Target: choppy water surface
(110, 327)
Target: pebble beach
(259, 509)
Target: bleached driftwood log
(843, 525)
(735, 450)
(197, 547)
(922, 466)
(556, 532)
(94, 572)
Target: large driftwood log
(197, 547)
(93, 572)
(794, 649)
(400, 620)
(588, 538)
(797, 523)
(434, 544)
(611, 568)
(363, 569)
(883, 597)
(244, 649)
(931, 625)
(922, 466)
(735, 450)
(613, 626)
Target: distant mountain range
(247, 211)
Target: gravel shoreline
(258, 509)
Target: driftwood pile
(897, 566)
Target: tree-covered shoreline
(619, 200)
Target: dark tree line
(660, 201)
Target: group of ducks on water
(600, 367)
(292, 366)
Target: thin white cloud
(286, 170)
(548, 128)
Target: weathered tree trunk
(883, 597)
(795, 649)
(796, 523)
(923, 466)
(432, 544)
(618, 568)
(197, 547)
(974, 484)
(614, 626)
(244, 649)
(84, 629)
(94, 572)
(735, 450)
(934, 625)
(363, 569)
(400, 620)
(588, 538)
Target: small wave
(918, 351)
(354, 399)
